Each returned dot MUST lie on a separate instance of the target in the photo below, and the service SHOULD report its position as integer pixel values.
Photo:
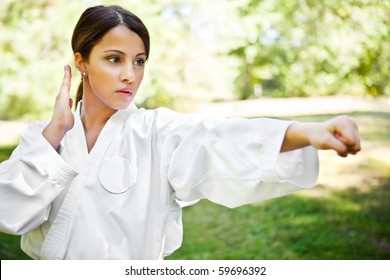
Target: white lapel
(76, 154)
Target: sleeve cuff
(299, 167)
(48, 162)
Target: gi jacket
(120, 201)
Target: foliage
(205, 50)
(184, 66)
(35, 44)
(305, 47)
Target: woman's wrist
(297, 136)
(54, 134)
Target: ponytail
(79, 94)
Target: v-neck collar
(112, 126)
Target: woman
(105, 182)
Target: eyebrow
(122, 53)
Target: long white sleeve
(30, 180)
(236, 161)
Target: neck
(93, 120)
(94, 115)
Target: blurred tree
(305, 47)
(186, 56)
(34, 46)
(205, 50)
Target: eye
(139, 62)
(114, 59)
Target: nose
(127, 74)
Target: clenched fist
(339, 134)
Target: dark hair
(95, 22)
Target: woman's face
(115, 69)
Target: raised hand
(63, 119)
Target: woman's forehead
(122, 38)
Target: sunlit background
(203, 51)
(295, 59)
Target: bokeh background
(293, 59)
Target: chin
(121, 106)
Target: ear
(80, 63)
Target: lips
(125, 91)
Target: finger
(357, 147)
(350, 135)
(344, 128)
(332, 142)
(65, 86)
(346, 134)
(349, 148)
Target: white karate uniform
(120, 201)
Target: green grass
(10, 248)
(5, 152)
(346, 225)
(352, 222)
